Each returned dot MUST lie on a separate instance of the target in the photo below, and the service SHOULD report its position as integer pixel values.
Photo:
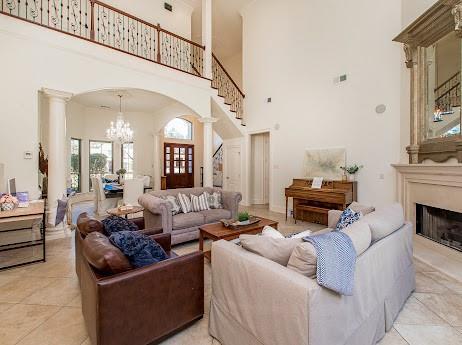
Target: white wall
(39, 58)
(295, 62)
(233, 65)
(178, 21)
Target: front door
(179, 165)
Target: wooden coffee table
(124, 213)
(217, 232)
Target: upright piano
(313, 204)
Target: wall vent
(168, 6)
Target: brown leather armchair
(143, 305)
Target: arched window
(178, 129)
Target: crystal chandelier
(120, 130)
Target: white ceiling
(132, 101)
(227, 25)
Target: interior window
(100, 158)
(76, 159)
(178, 129)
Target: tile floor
(40, 304)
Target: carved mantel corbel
(409, 52)
(457, 13)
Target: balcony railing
(105, 25)
(227, 88)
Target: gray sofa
(258, 301)
(184, 226)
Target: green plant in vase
(243, 216)
(351, 170)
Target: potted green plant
(351, 170)
(121, 173)
(243, 216)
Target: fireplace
(439, 225)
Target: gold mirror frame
(442, 18)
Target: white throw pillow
(275, 249)
(174, 205)
(385, 221)
(303, 260)
(269, 231)
(360, 234)
(199, 203)
(185, 203)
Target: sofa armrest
(333, 217)
(165, 241)
(157, 212)
(152, 231)
(153, 300)
(247, 287)
(231, 202)
(139, 221)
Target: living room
(227, 140)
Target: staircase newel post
(92, 20)
(158, 44)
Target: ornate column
(207, 36)
(56, 150)
(157, 162)
(208, 150)
(413, 62)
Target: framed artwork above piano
(313, 204)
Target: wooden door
(179, 165)
(233, 168)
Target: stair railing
(103, 24)
(227, 88)
(447, 95)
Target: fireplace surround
(432, 185)
(442, 226)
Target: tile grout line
(402, 337)
(25, 335)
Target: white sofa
(258, 301)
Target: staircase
(447, 95)
(97, 22)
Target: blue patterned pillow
(347, 217)
(140, 250)
(114, 224)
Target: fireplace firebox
(442, 226)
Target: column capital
(208, 119)
(50, 93)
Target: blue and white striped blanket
(336, 260)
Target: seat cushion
(187, 220)
(213, 216)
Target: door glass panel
(182, 167)
(167, 156)
(167, 149)
(167, 169)
(190, 150)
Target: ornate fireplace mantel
(436, 185)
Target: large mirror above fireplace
(443, 96)
(433, 50)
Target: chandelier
(120, 130)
